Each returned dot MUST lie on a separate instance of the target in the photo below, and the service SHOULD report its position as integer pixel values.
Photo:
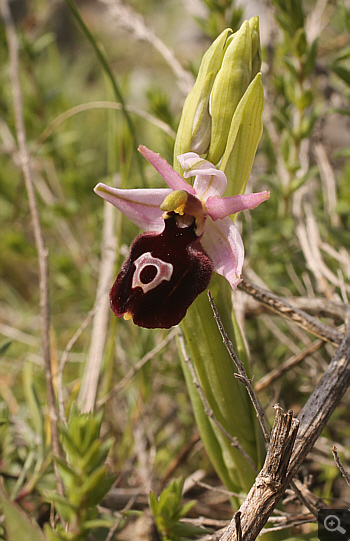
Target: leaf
(223, 392)
(243, 138)
(18, 524)
(343, 73)
(311, 57)
(33, 403)
(153, 503)
(289, 62)
(344, 54)
(4, 347)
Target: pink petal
(171, 177)
(224, 245)
(219, 207)
(141, 206)
(209, 181)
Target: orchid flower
(188, 235)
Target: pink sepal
(171, 177)
(141, 206)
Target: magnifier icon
(332, 524)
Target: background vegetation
(296, 244)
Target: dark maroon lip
(164, 305)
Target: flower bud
(229, 86)
(221, 119)
(195, 124)
(243, 138)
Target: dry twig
(209, 412)
(241, 376)
(39, 240)
(342, 470)
(89, 384)
(265, 381)
(288, 448)
(286, 310)
(128, 377)
(261, 498)
(132, 21)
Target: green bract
(195, 124)
(226, 104)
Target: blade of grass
(104, 63)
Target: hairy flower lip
(159, 298)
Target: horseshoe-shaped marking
(164, 271)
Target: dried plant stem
(340, 466)
(63, 361)
(302, 498)
(209, 412)
(39, 241)
(322, 402)
(132, 21)
(54, 124)
(289, 445)
(241, 376)
(286, 310)
(89, 384)
(260, 501)
(128, 377)
(287, 365)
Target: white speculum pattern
(163, 269)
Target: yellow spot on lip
(127, 316)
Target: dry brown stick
(340, 465)
(302, 498)
(316, 502)
(314, 306)
(237, 518)
(180, 457)
(245, 380)
(261, 499)
(286, 310)
(322, 402)
(292, 361)
(276, 474)
(321, 307)
(39, 241)
(241, 376)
